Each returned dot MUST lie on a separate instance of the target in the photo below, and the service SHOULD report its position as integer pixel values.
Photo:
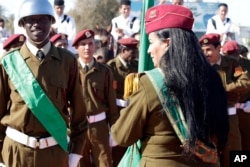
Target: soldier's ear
(166, 43)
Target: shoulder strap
(214, 23)
(35, 98)
(173, 109)
(65, 18)
(132, 22)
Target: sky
(238, 9)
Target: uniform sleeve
(242, 84)
(112, 113)
(71, 29)
(134, 29)
(210, 27)
(78, 123)
(4, 99)
(113, 30)
(129, 126)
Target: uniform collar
(122, 61)
(34, 49)
(90, 65)
(218, 62)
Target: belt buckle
(37, 144)
(33, 142)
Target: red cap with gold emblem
(211, 38)
(84, 34)
(128, 42)
(58, 36)
(168, 16)
(230, 47)
(13, 39)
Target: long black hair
(197, 86)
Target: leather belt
(29, 140)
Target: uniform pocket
(57, 90)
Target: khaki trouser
(17, 155)
(234, 140)
(96, 149)
(244, 125)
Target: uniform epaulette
(131, 84)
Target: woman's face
(156, 48)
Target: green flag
(145, 62)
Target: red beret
(12, 39)
(128, 42)
(211, 38)
(230, 47)
(168, 16)
(58, 36)
(84, 34)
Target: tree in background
(88, 13)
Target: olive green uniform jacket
(244, 117)
(120, 72)
(145, 119)
(99, 96)
(234, 86)
(59, 77)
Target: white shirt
(34, 49)
(222, 27)
(125, 23)
(66, 26)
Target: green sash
(172, 110)
(35, 98)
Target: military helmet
(35, 7)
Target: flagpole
(145, 62)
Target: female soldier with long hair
(180, 106)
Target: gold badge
(152, 13)
(205, 41)
(21, 38)
(87, 34)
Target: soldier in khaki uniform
(184, 74)
(123, 64)
(235, 82)
(35, 95)
(99, 100)
(231, 48)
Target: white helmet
(35, 7)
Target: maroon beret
(211, 38)
(84, 34)
(128, 42)
(168, 16)
(12, 39)
(230, 47)
(58, 36)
